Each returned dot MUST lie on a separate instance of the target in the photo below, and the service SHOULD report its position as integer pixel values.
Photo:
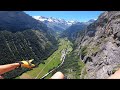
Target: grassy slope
(50, 63)
(72, 66)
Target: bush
(84, 50)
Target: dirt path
(64, 52)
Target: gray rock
(107, 38)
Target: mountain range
(76, 29)
(59, 25)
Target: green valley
(50, 63)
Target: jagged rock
(107, 41)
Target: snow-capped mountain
(54, 20)
(59, 25)
(55, 24)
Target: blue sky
(67, 15)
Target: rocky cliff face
(99, 49)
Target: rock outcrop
(100, 47)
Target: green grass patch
(84, 50)
(94, 49)
(49, 76)
(89, 50)
(116, 68)
(72, 66)
(17, 78)
(84, 73)
(51, 62)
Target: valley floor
(51, 63)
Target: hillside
(19, 21)
(76, 30)
(22, 37)
(99, 48)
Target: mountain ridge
(73, 31)
(22, 37)
(11, 20)
(59, 25)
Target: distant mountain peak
(59, 24)
(56, 24)
(54, 20)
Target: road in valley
(64, 53)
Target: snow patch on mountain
(58, 24)
(54, 20)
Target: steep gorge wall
(29, 44)
(100, 47)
